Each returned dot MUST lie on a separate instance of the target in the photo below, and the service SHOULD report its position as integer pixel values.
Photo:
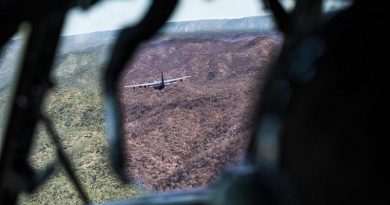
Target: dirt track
(182, 136)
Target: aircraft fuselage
(159, 87)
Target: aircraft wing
(170, 81)
(144, 85)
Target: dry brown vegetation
(182, 136)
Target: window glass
(9, 61)
(187, 97)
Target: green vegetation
(75, 107)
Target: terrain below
(184, 135)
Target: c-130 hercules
(158, 85)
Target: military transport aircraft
(158, 85)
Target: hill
(248, 24)
(182, 136)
